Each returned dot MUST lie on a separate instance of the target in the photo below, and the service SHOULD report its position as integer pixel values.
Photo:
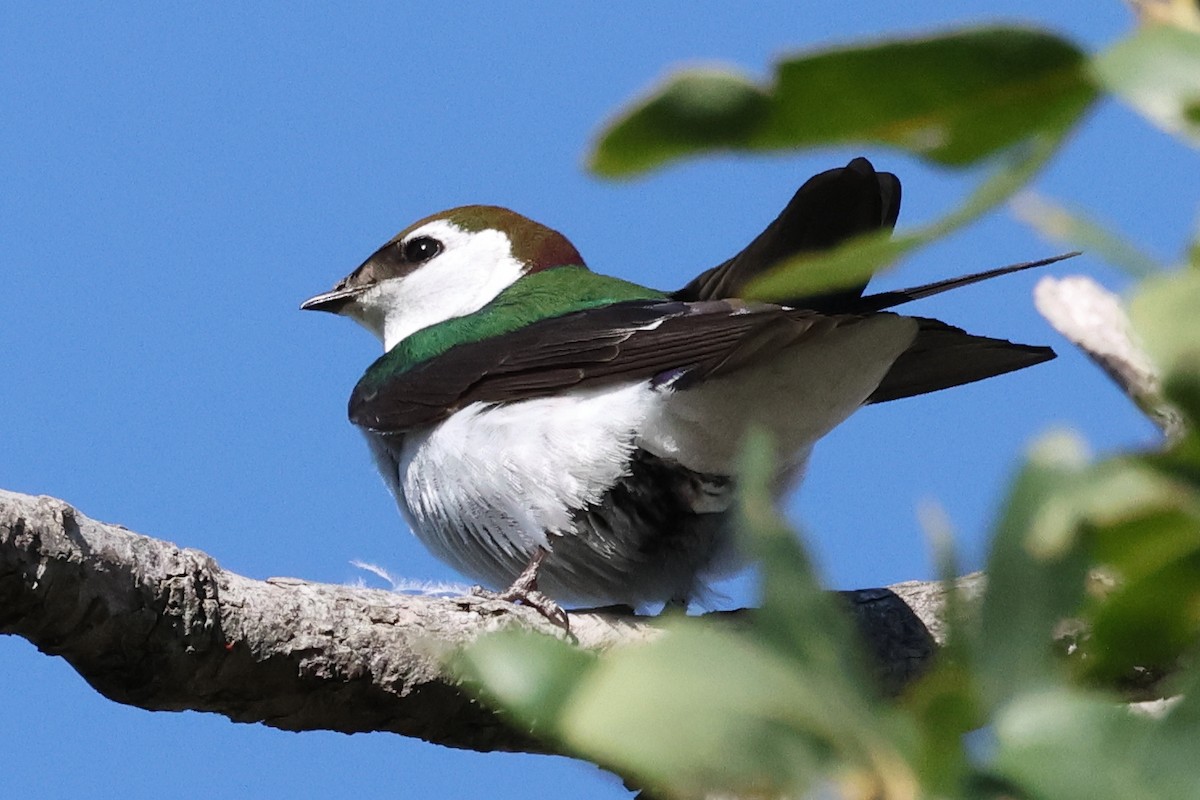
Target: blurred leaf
(1145, 526)
(1164, 313)
(707, 709)
(1157, 71)
(1035, 572)
(696, 111)
(953, 98)
(850, 263)
(1145, 625)
(1182, 458)
(1176, 735)
(860, 258)
(1072, 227)
(1140, 523)
(1070, 746)
(771, 709)
(797, 615)
(1140, 534)
(529, 674)
(944, 704)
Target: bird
(567, 437)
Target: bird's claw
(540, 603)
(532, 598)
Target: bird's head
(444, 266)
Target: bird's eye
(421, 249)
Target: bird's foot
(540, 603)
(524, 591)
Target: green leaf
(1174, 739)
(1164, 313)
(1071, 746)
(944, 704)
(773, 707)
(797, 615)
(848, 264)
(1157, 71)
(706, 709)
(695, 111)
(953, 98)
(1135, 521)
(1145, 528)
(1142, 628)
(1035, 572)
(529, 674)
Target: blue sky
(176, 180)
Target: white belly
(490, 485)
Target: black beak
(334, 301)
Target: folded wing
(667, 342)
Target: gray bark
(154, 625)
(1093, 319)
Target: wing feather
(638, 340)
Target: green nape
(541, 295)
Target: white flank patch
(798, 396)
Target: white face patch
(473, 267)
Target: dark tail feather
(837, 205)
(943, 356)
(878, 302)
(828, 209)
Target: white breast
(491, 484)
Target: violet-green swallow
(545, 427)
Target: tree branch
(160, 627)
(1092, 318)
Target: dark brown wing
(827, 210)
(662, 341)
